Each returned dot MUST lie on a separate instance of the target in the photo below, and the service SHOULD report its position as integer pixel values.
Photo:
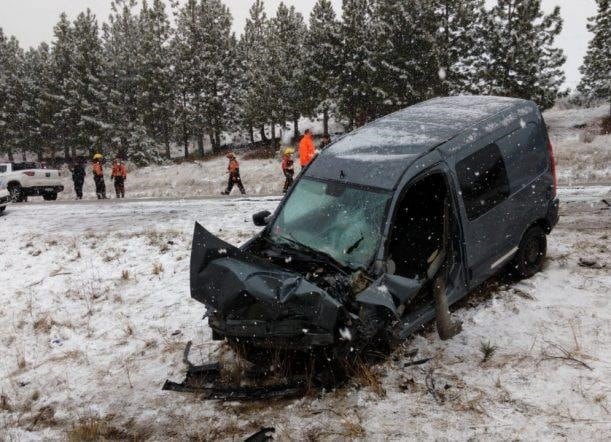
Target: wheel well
(543, 223)
(13, 184)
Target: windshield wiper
(356, 245)
(313, 254)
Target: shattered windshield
(339, 220)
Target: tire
(2, 209)
(16, 193)
(51, 196)
(531, 253)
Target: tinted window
(483, 180)
(25, 166)
(525, 154)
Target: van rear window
(483, 180)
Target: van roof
(378, 153)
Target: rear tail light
(552, 160)
(29, 173)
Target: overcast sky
(31, 21)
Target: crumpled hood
(223, 278)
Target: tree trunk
(217, 139)
(262, 132)
(11, 158)
(186, 144)
(24, 156)
(40, 155)
(200, 143)
(73, 152)
(296, 128)
(67, 153)
(212, 141)
(166, 141)
(273, 144)
(252, 135)
(325, 122)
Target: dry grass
(368, 376)
(125, 276)
(157, 268)
(44, 323)
(100, 429)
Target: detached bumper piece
(204, 380)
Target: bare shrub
(125, 275)
(157, 268)
(44, 323)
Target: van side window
(3, 168)
(525, 154)
(483, 180)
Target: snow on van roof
(379, 153)
(419, 128)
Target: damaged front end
(250, 299)
(266, 299)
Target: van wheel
(531, 253)
(51, 196)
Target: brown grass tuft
(157, 268)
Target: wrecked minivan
(386, 228)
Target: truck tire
(16, 192)
(50, 196)
(531, 253)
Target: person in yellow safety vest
(288, 168)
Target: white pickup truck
(5, 197)
(30, 179)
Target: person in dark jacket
(234, 175)
(78, 178)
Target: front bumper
(286, 334)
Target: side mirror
(261, 219)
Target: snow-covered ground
(95, 313)
(579, 162)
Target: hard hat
(289, 151)
(98, 156)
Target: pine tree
(11, 58)
(523, 62)
(596, 69)
(122, 78)
(406, 62)
(254, 49)
(323, 49)
(459, 44)
(36, 105)
(357, 95)
(64, 115)
(205, 52)
(156, 76)
(286, 60)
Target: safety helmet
(98, 156)
(289, 151)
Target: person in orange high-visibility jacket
(233, 169)
(307, 150)
(98, 176)
(119, 174)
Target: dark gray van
(444, 194)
